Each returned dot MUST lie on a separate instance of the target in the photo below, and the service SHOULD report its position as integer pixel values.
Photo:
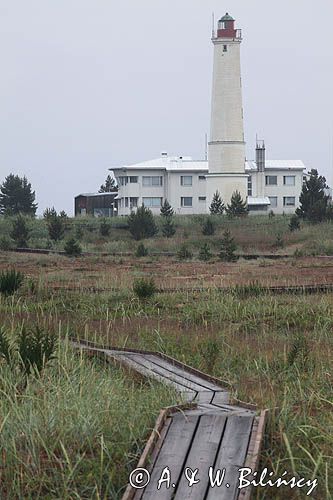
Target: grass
(71, 433)
(254, 234)
(77, 430)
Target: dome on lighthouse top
(227, 17)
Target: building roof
(90, 195)
(186, 163)
(277, 165)
(254, 200)
(168, 163)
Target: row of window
(288, 201)
(156, 201)
(156, 180)
(288, 180)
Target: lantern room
(226, 27)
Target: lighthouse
(226, 148)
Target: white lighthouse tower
(226, 149)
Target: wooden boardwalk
(208, 433)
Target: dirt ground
(114, 272)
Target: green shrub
(141, 251)
(299, 352)
(271, 214)
(5, 243)
(279, 243)
(20, 231)
(6, 351)
(208, 227)
(144, 288)
(10, 281)
(166, 209)
(168, 227)
(205, 253)
(184, 253)
(56, 227)
(228, 248)
(294, 223)
(36, 348)
(217, 206)
(104, 228)
(72, 248)
(141, 224)
(237, 206)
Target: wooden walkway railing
(209, 433)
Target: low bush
(184, 253)
(10, 281)
(205, 253)
(208, 227)
(141, 251)
(72, 248)
(144, 288)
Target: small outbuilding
(96, 204)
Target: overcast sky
(89, 84)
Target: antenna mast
(213, 25)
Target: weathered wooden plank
(183, 372)
(220, 397)
(152, 459)
(231, 456)
(167, 374)
(142, 368)
(172, 455)
(202, 455)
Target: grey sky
(90, 84)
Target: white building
(189, 185)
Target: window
(126, 202)
(273, 200)
(225, 48)
(186, 201)
(186, 180)
(289, 180)
(249, 185)
(154, 180)
(202, 177)
(202, 198)
(152, 202)
(133, 202)
(271, 180)
(123, 180)
(289, 201)
(133, 179)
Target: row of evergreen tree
(18, 197)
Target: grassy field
(76, 431)
(252, 235)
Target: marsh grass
(72, 433)
(78, 428)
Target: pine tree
(228, 248)
(208, 227)
(109, 185)
(20, 231)
(294, 223)
(49, 213)
(104, 228)
(56, 227)
(16, 196)
(314, 202)
(168, 227)
(142, 224)
(217, 206)
(205, 253)
(237, 206)
(166, 209)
